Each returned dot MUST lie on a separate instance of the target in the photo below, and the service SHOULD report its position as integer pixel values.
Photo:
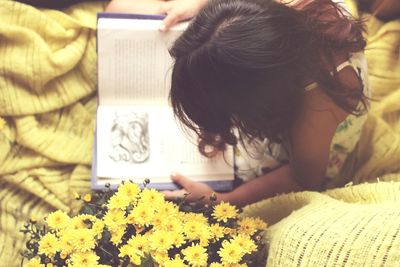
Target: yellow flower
(157, 220)
(197, 217)
(66, 241)
(118, 202)
(87, 259)
(35, 262)
(204, 237)
(245, 242)
(194, 230)
(83, 240)
(216, 264)
(58, 220)
(49, 245)
(87, 198)
(117, 234)
(178, 239)
(195, 255)
(142, 214)
(130, 191)
(172, 225)
(160, 256)
(114, 219)
(97, 228)
(247, 226)
(160, 241)
(230, 253)
(260, 224)
(151, 197)
(217, 231)
(140, 243)
(224, 211)
(2, 123)
(82, 221)
(132, 253)
(177, 262)
(168, 209)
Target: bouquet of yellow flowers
(138, 227)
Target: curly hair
(240, 67)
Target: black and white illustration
(130, 137)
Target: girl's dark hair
(241, 65)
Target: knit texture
(352, 226)
(48, 98)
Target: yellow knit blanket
(47, 96)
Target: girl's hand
(179, 10)
(194, 190)
(154, 7)
(176, 10)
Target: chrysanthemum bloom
(194, 217)
(245, 242)
(247, 226)
(82, 221)
(151, 197)
(140, 243)
(97, 228)
(117, 234)
(168, 209)
(114, 219)
(172, 225)
(196, 255)
(131, 252)
(260, 224)
(160, 241)
(49, 245)
(58, 220)
(230, 253)
(178, 239)
(87, 259)
(194, 230)
(83, 240)
(118, 202)
(217, 231)
(142, 214)
(224, 211)
(130, 191)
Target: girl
(286, 81)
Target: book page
(134, 65)
(138, 142)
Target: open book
(137, 136)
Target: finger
(174, 194)
(170, 20)
(181, 180)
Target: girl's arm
(275, 182)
